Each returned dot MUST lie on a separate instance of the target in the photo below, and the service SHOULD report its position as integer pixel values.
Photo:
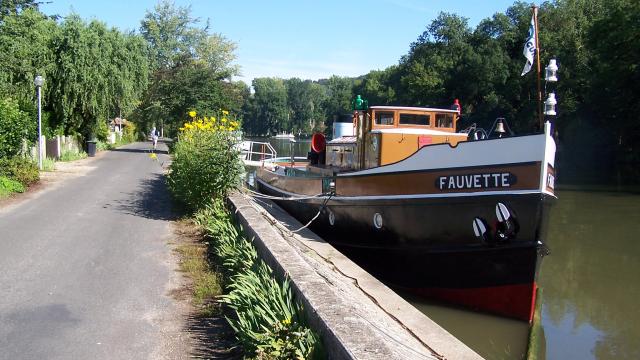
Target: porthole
(332, 218)
(377, 221)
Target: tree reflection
(592, 272)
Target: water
(590, 287)
(590, 284)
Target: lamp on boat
(550, 105)
(500, 128)
(551, 71)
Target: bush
(20, 169)
(129, 133)
(205, 162)
(15, 125)
(8, 186)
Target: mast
(535, 17)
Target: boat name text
(476, 181)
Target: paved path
(85, 268)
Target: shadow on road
(214, 339)
(148, 150)
(150, 200)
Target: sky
(304, 39)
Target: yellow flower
(192, 113)
(286, 322)
(225, 112)
(153, 156)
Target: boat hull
(464, 224)
(427, 245)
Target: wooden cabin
(387, 134)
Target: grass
(9, 186)
(206, 284)
(48, 164)
(72, 155)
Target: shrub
(15, 125)
(205, 162)
(129, 133)
(20, 169)
(8, 186)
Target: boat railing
(256, 152)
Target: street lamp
(38, 82)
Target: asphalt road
(85, 267)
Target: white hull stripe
(417, 196)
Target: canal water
(590, 283)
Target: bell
(500, 128)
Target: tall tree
(192, 68)
(269, 107)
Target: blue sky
(305, 39)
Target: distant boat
(284, 135)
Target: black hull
(427, 244)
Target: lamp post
(39, 81)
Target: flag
(530, 47)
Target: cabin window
(415, 119)
(444, 120)
(384, 118)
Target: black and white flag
(530, 46)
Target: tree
(25, 51)
(97, 73)
(269, 106)
(192, 68)
(305, 99)
(339, 96)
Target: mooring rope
(291, 198)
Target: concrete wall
(357, 316)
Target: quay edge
(356, 316)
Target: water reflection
(591, 287)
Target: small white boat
(284, 136)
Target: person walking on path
(154, 137)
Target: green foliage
(20, 169)
(205, 165)
(129, 133)
(98, 72)
(268, 322)
(9, 186)
(15, 125)
(72, 155)
(191, 69)
(269, 111)
(48, 164)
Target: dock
(357, 316)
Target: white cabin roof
(411, 108)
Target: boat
(284, 135)
(459, 217)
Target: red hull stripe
(516, 301)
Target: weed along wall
(356, 316)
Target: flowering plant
(205, 163)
